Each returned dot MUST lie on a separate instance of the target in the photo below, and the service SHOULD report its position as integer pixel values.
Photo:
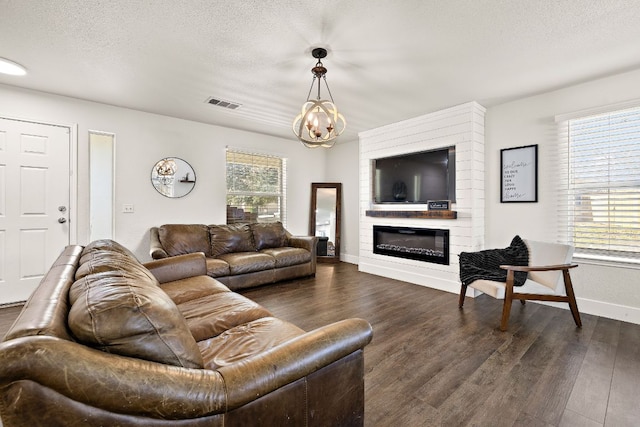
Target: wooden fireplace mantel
(413, 214)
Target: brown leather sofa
(105, 340)
(239, 255)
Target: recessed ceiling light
(11, 68)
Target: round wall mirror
(173, 177)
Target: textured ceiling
(387, 61)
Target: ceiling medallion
(319, 122)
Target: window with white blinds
(600, 198)
(255, 187)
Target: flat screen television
(415, 177)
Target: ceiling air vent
(224, 104)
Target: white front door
(34, 203)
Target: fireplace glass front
(422, 244)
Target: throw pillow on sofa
(269, 235)
(230, 239)
(126, 313)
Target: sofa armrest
(114, 383)
(261, 374)
(156, 251)
(130, 386)
(305, 242)
(178, 267)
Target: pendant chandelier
(166, 170)
(319, 123)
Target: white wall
(610, 291)
(342, 166)
(143, 139)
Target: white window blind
(255, 187)
(600, 191)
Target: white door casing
(34, 203)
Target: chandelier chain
(328, 90)
(319, 122)
(311, 87)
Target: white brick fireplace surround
(462, 126)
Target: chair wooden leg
(508, 299)
(463, 292)
(506, 311)
(572, 298)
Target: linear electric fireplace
(422, 244)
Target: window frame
(266, 157)
(567, 190)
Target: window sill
(607, 261)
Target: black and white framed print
(519, 174)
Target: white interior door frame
(39, 201)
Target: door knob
(62, 208)
(62, 220)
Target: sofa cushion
(217, 267)
(248, 262)
(180, 239)
(246, 340)
(107, 245)
(125, 313)
(98, 260)
(213, 314)
(268, 235)
(230, 238)
(286, 257)
(184, 290)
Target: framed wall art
(519, 174)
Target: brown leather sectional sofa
(106, 340)
(239, 255)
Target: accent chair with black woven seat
(544, 277)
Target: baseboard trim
(351, 259)
(11, 304)
(417, 279)
(587, 306)
(623, 313)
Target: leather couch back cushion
(107, 245)
(271, 235)
(231, 238)
(97, 261)
(180, 239)
(124, 312)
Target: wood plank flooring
(8, 315)
(431, 364)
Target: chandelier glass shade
(166, 170)
(319, 122)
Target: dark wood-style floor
(431, 364)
